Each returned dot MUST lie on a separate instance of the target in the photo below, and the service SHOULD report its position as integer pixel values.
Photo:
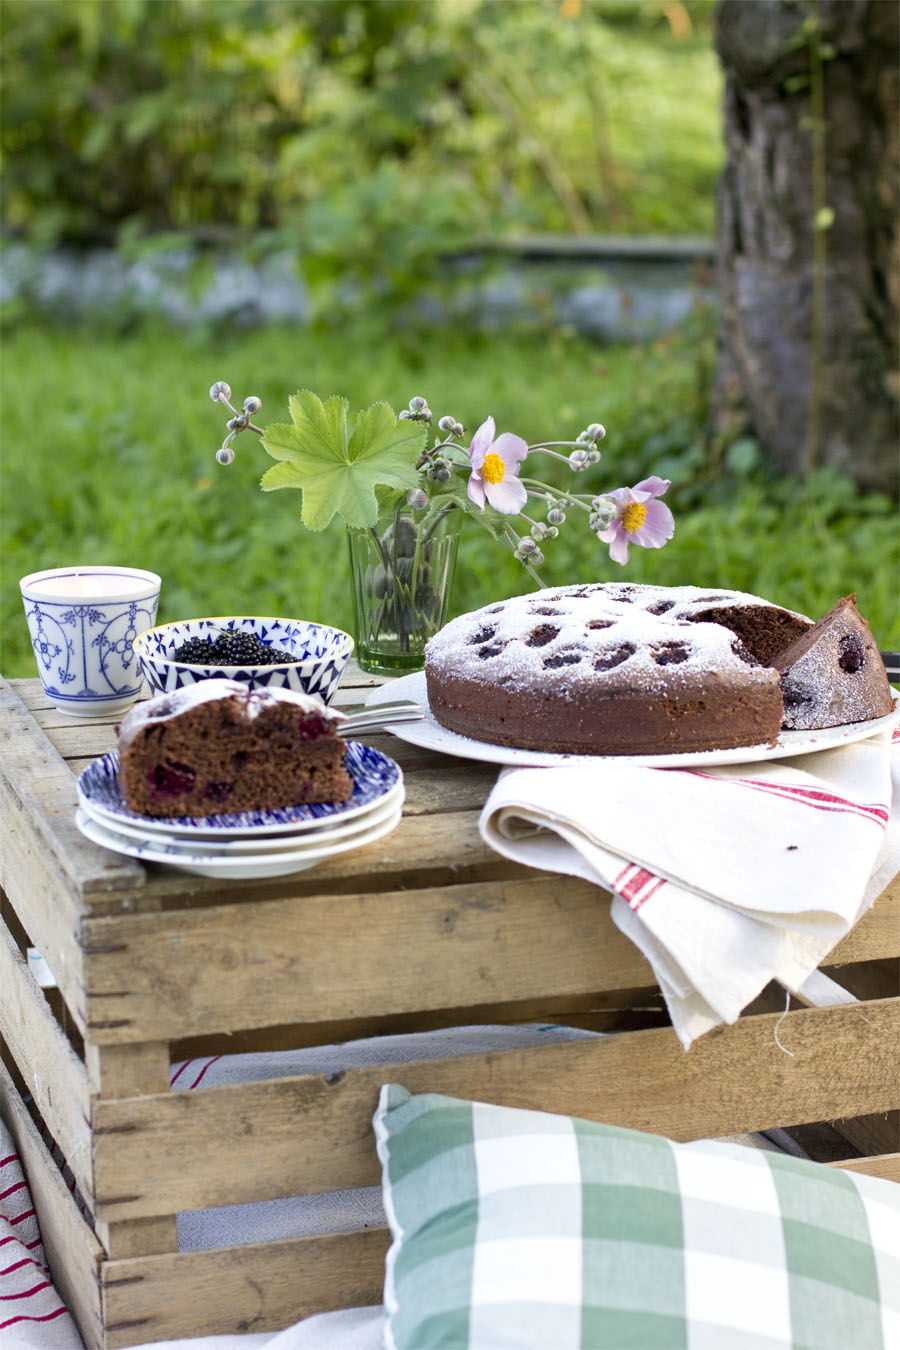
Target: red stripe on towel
(25, 1261)
(175, 1077)
(27, 1317)
(818, 798)
(636, 885)
(26, 1214)
(27, 1293)
(10, 1158)
(12, 1190)
(207, 1065)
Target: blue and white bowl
(320, 655)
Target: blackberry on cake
(217, 746)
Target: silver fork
(382, 715)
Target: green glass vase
(401, 571)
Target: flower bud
(603, 514)
(539, 530)
(405, 415)
(458, 429)
(447, 424)
(252, 404)
(579, 460)
(225, 455)
(556, 516)
(417, 404)
(596, 432)
(417, 499)
(526, 547)
(553, 532)
(442, 475)
(220, 392)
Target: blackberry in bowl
(263, 653)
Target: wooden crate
(423, 929)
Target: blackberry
(235, 648)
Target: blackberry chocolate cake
(833, 673)
(218, 746)
(614, 669)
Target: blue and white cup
(83, 622)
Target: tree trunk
(811, 312)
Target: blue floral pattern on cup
(320, 655)
(85, 650)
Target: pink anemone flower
(640, 519)
(495, 468)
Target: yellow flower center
(493, 470)
(633, 516)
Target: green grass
(109, 456)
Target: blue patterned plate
(375, 776)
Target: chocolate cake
(218, 746)
(614, 669)
(833, 674)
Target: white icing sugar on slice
(253, 701)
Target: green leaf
(338, 467)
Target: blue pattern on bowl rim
(321, 653)
(374, 775)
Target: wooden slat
(877, 934)
(72, 1251)
(885, 1165)
(175, 1152)
(48, 1065)
(183, 973)
(256, 1288)
(38, 798)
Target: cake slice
(218, 746)
(833, 674)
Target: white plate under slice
(248, 867)
(374, 776)
(432, 736)
(332, 830)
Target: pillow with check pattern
(532, 1231)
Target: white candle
(90, 583)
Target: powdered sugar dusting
(839, 677)
(253, 702)
(565, 637)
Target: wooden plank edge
(261, 1286)
(164, 1154)
(71, 1249)
(38, 789)
(883, 1165)
(48, 1065)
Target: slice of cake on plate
(217, 746)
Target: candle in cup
(86, 584)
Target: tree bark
(814, 389)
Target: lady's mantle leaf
(336, 466)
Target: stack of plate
(250, 844)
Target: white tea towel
(725, 878)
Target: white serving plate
(432, 736)
(333, 831)
(240, 868)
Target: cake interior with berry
(834, 673)
(218, 746)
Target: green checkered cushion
(520, 1229)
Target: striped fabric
(525, 1230)
(31, 1311)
